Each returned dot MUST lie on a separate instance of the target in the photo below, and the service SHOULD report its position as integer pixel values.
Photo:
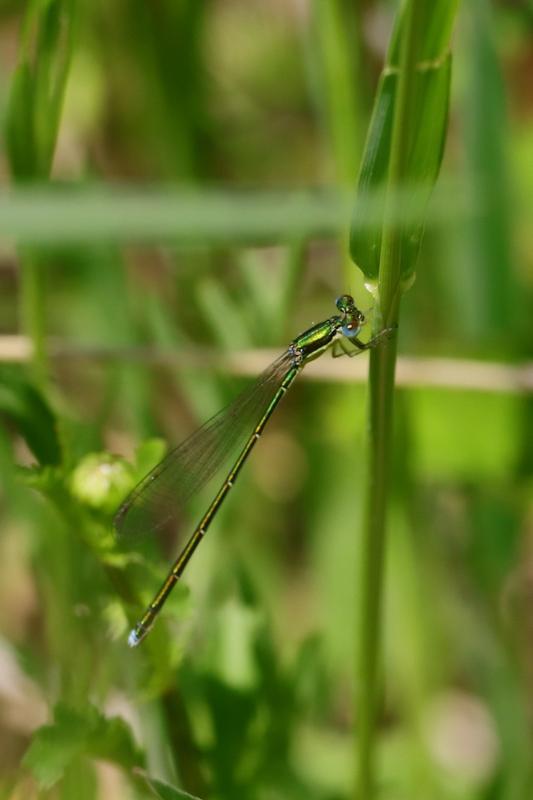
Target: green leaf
(38, 87)
(426, 143)
(165, 791)
(52, 58)
(76, 733)
(20, 135)
(27, 408)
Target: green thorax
(314, 339)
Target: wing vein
(162, 495)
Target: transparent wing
(162, 494)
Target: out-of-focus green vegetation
(233, 130)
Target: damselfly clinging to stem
(162, 494)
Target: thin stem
(338, 32)
(32, 313)
(381, 394)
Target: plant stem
(338, 27)
(32, 315)
(381, 394)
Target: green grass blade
(404, 146)
(32, 124)
(38, 86)
(425, 138)
(338, 41)
(20, 134)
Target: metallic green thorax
(315, 339)
(302, 349)
(312, 342)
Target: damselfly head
(354, 319)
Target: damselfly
(162, 494)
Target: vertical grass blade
(404, 147)
(428, 92)
(338, 40)
(32, 124)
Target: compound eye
(345, 303)
(350, 330)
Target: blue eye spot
(350, 330)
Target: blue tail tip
(134, 638)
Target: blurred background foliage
(115, 311)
